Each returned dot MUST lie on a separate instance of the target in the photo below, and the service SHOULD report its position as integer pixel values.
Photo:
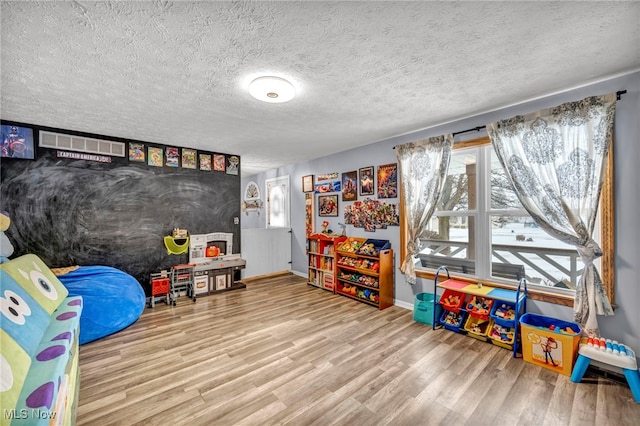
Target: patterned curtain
(423, 167)
(556, 159)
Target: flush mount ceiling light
(272, 89)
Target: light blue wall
(625, 325)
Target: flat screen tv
(17, 142)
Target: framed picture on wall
(136, 152)
(307, 183)
(219, 162)
(367, 181)
(205, 162)
(154, 156)
(188, 158)
(350, 186)
(17, 142)
(234, 163)
(173, 157)
(328, 205)
(388, 181)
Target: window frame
(607, 232)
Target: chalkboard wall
(78, 212)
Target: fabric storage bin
(423, 307)
(549, 342)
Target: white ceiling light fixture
(272, 89)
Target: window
(278, 202)
(481, 232)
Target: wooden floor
(282, 352)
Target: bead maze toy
(608, 352)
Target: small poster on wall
(218, 162)
(136, 152)
(350, 186)
(328, 176)
(188, 158)
(17, 142)
(328, 205)
(205, 162)
(367, 181)
(232, 167)
(323, 188)
(173, 157)
(308, 213)
(154, 157)
(388, 181)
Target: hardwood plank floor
(282, 352)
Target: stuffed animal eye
(14, 308)
(43, 285)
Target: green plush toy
(6, 249)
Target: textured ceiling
(176, 73)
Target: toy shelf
(321, 252)
(483, 312)
(365, 271)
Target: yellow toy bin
(549, 342)
(478, 328)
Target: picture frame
(17, 142)
(307, 183)
(136, 152)
(155, 156)
(189, 158)
(234, 164)
(350, 186)
(205, 162)
(172, 157)
(388, 180)
(219, 162)
(366, 180)
(328, 205)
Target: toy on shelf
(506, 312)
(502, 334)
(480, 306)
(453, 319)
(612, 353)
(351, 245)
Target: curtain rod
(619, 93)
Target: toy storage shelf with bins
(321, 250)
(480, 311)
(365, 271)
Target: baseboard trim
(269, 275)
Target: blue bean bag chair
(112, 299)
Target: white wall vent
(81, 144)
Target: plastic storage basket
(453, 320)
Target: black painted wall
(77, 212)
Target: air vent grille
(80, 144)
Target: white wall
(625, 325)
